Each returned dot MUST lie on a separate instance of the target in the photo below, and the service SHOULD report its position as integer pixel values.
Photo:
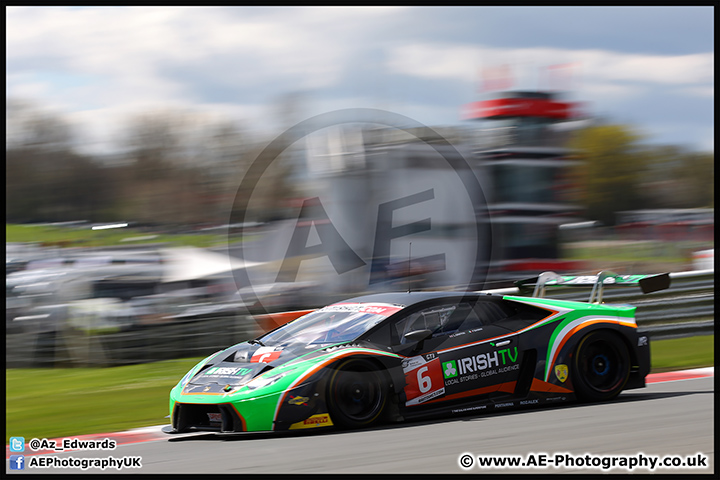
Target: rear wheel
(602, 366)
(357, 394)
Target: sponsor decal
(469, 409)
(509, 368)
(423, 379)
(592, 280)
(480, 366)
(529, 402)
(265, 355)
(215, 417)
(298, 400)
(561, 372)
(484, 361)
(450, 369)
(378, 309)
(642, 341)
(227, 371)
(554, 399)
(507, 404)
(319, 420)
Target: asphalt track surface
(674, 416)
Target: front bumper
(221, 417)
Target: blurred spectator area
(94, 307)
(692, 224)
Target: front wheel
(602, 366)
(357, 393)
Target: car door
(466, 354)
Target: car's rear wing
(647, 283)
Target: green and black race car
(395, 356)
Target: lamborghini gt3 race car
(396, 356)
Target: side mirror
(412, 341)
(417, 335)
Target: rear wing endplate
(647, 283)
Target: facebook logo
(17, 444)
(17, 462)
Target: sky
(647, 67)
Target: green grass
(86, 237)
(53, 403)
(625, 252)
(633, 251)
(57, 402)
(678, 353)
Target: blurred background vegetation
(169, 168)
(180, 168)
(620, 173)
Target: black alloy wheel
(357, 394)
(601, 366)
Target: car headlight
(196, 369)
(268, 379)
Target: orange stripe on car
(540, 386)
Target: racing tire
(601, 366)
(357, 394)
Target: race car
(407, 355)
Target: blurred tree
(611, 170)
(660, 187)
(226, 158)
(696, 174)
(678, 178)
(183, 167)
(22, 200)
(46, 180)
(28, 125)
(154, 142)
(273, 189)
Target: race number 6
(424, 382)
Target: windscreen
(338, 323)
